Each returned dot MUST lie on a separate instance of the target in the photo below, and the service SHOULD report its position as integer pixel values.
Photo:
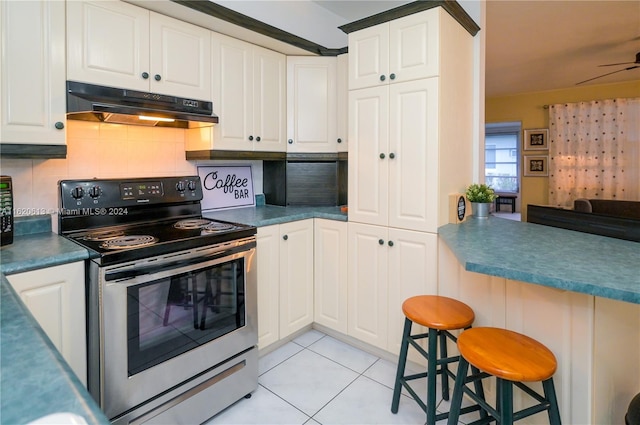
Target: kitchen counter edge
(563, 259)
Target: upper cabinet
(32, 72)
(311, 104)
(120, 45)
(249, 96)
(411, 142)
(401, 50)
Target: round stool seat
(507, 354)
(436, 312)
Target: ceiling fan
(635, 64)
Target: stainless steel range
(171, 299)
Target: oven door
(166, 320)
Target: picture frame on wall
(536, 165)
(536, 139)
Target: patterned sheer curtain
(594, 151)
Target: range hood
(88, 102)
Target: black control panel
(80, 194)
(6, 210)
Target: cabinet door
(232, 93)
(311, 104)
(268, 252)
(369, 57)
(269, 100)
(32, 72)
(55, 297)
(296, 276)
(413, 270)
(330, 274)
(108, 44)
(368, 155)
(367, 287)
(180, 58)
(414, 46)
(342, 107)
(413, 143)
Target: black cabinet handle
(290, 141)
(390, 243)
(59, 125)
(157, 77)
(382, 78)
(258, 139)
(250, 137)
(392, 76)
(392, 155)
(380, 241)
(145, 75)
(339, 140)
(285, 237)
(381, 156)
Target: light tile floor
(316, 379)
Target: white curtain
(594, 151)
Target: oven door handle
(174, 265)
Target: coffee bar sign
(226, 187)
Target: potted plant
(481, 196)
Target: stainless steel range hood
(89, 102)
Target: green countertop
(267, 215)
(564, 259)
(35, 381)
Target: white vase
(480, 209)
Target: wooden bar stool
(512, 358)
(440, 315)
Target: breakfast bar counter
(577, 293)
(557, 258)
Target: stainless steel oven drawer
(201, 398)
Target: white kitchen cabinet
(268, 254)
(411, 143)
(249, 93)
(311, 104)
(386, 266)
(285, 280)
(296, 276)
(55, 297)
(32, 72)
(330, 274)
(117, 44)
(393, 155)
(400, 50)
(342, 107)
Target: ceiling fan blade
(609, 73)
(621, 63)
(637, 62)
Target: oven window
(171, 316)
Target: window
(502, 142)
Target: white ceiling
(530, 45)
(546, 45)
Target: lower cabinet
(330, 274)
(55, 297)
(285, 280)
(386, 266)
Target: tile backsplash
(103, 151)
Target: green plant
(480, 193)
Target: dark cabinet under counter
(305, 182)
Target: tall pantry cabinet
(410, 137)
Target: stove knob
(180, 187)
(95, 191)
(77, 192)
(192, 185)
